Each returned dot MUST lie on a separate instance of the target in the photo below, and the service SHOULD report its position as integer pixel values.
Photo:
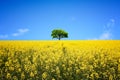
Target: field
(60, 60)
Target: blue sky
(82, 19)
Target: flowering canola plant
(60, 60)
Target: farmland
(60, 60)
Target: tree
(59, 33)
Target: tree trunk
(59, 38)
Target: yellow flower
(8, 76)
(53, 78)
(44, 75)
(19, 70)
(77, 71)
(22, 75)
(57, 70)
(11, 68)
(1, 62)
(6, 64)
(15, 78)
(31, 74)
(82, 57)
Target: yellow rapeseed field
(60, 60)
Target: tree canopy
(59, 33)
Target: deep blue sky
(82, 19)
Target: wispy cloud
(107, 33)
(20, 32)
(109, 25)
(3, 36)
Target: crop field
(60, 60)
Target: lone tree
(59, 33)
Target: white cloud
(3, 36)
(108, 28)
(23, 30)
(16, 34)
(105, 35)
(20, 32)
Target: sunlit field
(60, 60)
